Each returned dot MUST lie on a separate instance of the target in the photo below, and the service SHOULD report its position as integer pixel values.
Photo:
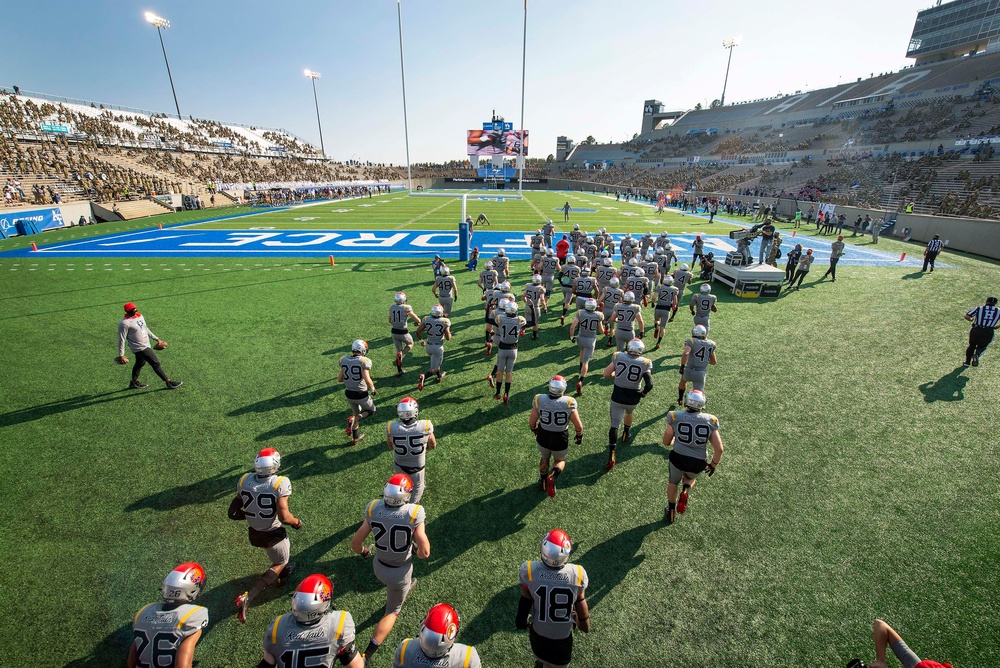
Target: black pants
(832, 271)
(789, 272)
(979, 339)
(799, 275)
(144, 357)
(929, 258)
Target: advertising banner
(42, 219)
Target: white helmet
(557, 386)
(501, 253)
(312, 599)
(571, 259)
(614, 282)
(684, 267)
(184, 583)
(359, 346)
(489, 265)
(445, 271)
(556, 547)
(590, 304)
(699, 332)
(629, 297)
(635, 347)
(437, 311)
(663, 234)
(536, 280)
(695, 399)
(632, 262)
(407, 409)
(438, 632)
(576, 227)
(649, 257)
(585, 271)
(400, 298)
(640, 272)
(502, 304)
(505, 286)
(510, 308)
(660, 251)
(668, 280)
(538, 231)
(705, 288)
(607, 262)
(267, 462)
(548, 252)
(398, 490)
(590, 240)
(604, 254)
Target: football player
(502, 264)
(133, 330)
(355, 374)
(584, 288)
(550, 267)
(436, 646)
(703, 306)
(610, 297)
(699, 352)
(690, 431)
(554, 591)
(312, 634)
(605, 272)
(682, 277)
(652, 270)
(488, 278)
(534, 298)
(262, 500)
(551, 415)
(664, 306)
(445, 290)
(409, 439)
(400, 313)
(576, 238)
(171, 629)
(398, 526)
(638, 284)
(492, 298)
(438, 330)
(509, 329)
(624, 318)
(570, 273)
(584, 330)
(633, 376)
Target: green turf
(858, 481)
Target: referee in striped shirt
(985, 320)
(934, 247)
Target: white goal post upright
(465, 207)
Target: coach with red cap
(133, 331)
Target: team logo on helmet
(400, 298)
(267, 462)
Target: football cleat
(420, 383)
(668, 515)
(505, 399)
(489, 349)
(312, 598)
(397, 490)
(489, 379)
(550, 486)
(579, 388)
(611, 461)
(242, 605)
(682, 503)
(184, 583)
(350, 425)
(556, 547)
(355, 441)
(441, 376)
(268, 461)
(437, 634)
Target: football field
(858, 481)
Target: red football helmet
(438, 632)
(184, 583)
(397, 491)
(268, 461)
(312, 598)
(556, 547)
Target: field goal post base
(463, 227)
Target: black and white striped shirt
(985, 316)
(935, 246)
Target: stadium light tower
(316, 75)
(524, 137)
(161, 25)
(402, 76)
(730, 44)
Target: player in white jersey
(703, 306)
(624, 319)
(550, 267)
(584, 330)
(437, 328)
(699, 353)
(551, 416)
(312, 634)
(409, 439)
(492, 298)
(509, 330)
(166, 633)
(446, 290)
(664, 304)
(682, 277)
(488, 278)
(435, 647)
(400, 313)
(584, 288)
(262, 500)
(604, 273)
(633, 376)
(610, 297)
(690, 432)
(502, 264)
(570, 273)
(554, 592)
(133, 331)
(355, 374)
(398, 526)
(534, 301)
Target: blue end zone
(182, 242)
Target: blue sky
(590, 63)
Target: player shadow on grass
(209, 490)
(914, 275)
(487, 518)
(111, 651)
(296, 397)
(373, 344)
(32, 413)
(950, 387)
(497, 616)
(610, 562)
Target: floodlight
(158, 21)
(312, 75)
